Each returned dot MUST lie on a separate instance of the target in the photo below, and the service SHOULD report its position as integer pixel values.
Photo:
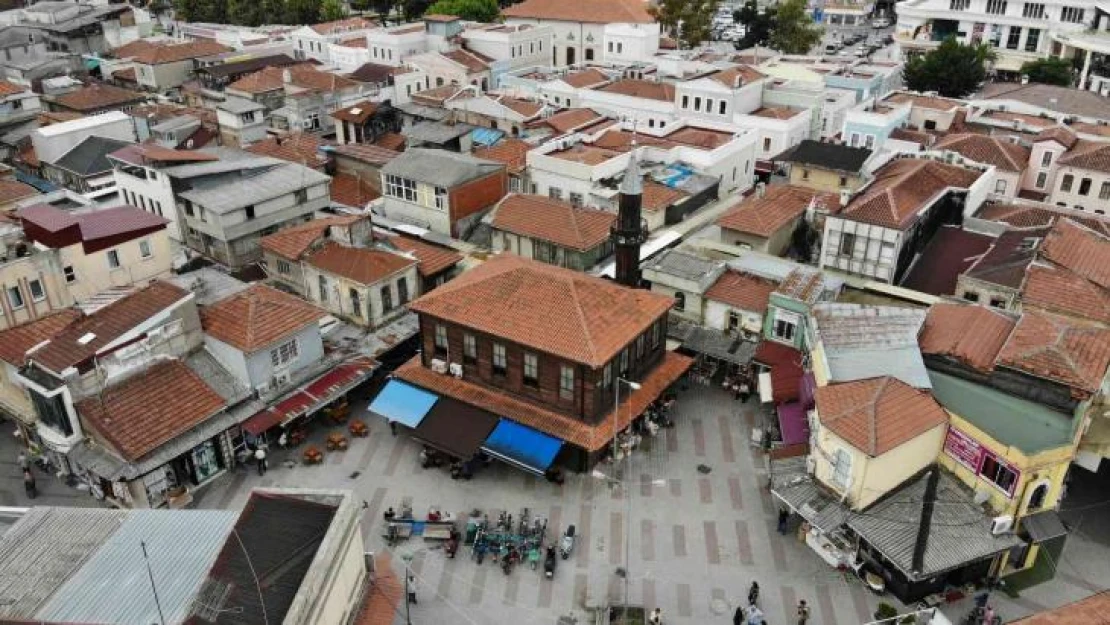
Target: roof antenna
(153, 587)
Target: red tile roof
(372, 154)
(357, 113)
(1033, 216)
(1058, 349)
(878, 414)
(525, 108)
(562, 426)
(8, 88)
(379, 607)
(15, 341)
(106, 325)
(1091, 155)
(778, 208)
(353, 191)
(571, 119)
(148, 53)
(12, 191)
(393, 141)
(149, 153)
(304, 76)
(96, 96)
(901, 188)
(786, 369)
(597, 11)
(554, 310)
(744, 73)
(293, 242)
(360, 264)
(1003, 154)
(586, 78)
(1060, 134)
(151, 408)
(257, 317)
(1055, 289)
(1008, 258)
(1090, 611)
(301, 148)
(657, 197)
(1079, 249)
(432, 259)
(101, 224)
(973, 335)
(513, 153)
(776, 112)
(554, 221)
(636, 88)
(472, 61)
(742, 291)
(948, 255)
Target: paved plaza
(697, 539)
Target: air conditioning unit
(1001, 524)
(439, 366)
(456, 369)
(280, 379)
(262, 389)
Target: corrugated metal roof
(960, 532)
(113, 586)
(904, 363)
(40, 552)
(234, 191)
(439, 167)
(793, 485)
(686, 266)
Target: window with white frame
(499, 359)
(15, 297)
(1104, 191)
(144, 249)
(470, 348)
(37, 292)
(441, 339)
(785, 326)
(1033, 10)
(999, 186)
(398, 187)
(996, 7)
(531, 369)
(284, 354)
(842, 469)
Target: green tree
(245, 12)
(953, 69)
(688, 21)
(331, 11)
(794, 31)
(301, 11)
(414, 9)
(474, 10)
(1050, 71)
(758, 24)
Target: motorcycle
(508, 560)
(534, 556)
(549, 562)
(567, 543)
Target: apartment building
(164, 66)
(607, 31)
(314, 41)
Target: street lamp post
(625, 483)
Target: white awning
(765, 392)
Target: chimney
(738, 81)
(629, 232)
(845, 197)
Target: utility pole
(927, 504)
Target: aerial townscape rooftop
(645, 304)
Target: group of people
(740, 383)
(752, 615)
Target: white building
(512, 46)
(1020, 33)
(314, 42)
(612, 31)
(54, 140)
(390, 46)
(778, 127)
(721, 95)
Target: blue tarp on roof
(486, 136)
(522, 446)
(403, 403)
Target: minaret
(630, 231)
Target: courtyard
(697, 540)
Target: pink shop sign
(964, 449)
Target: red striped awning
(288, 408)
(340, 379)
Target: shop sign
(963, 449)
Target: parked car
(831, 49)
(880, 22)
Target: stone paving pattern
(697, 540)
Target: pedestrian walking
(656, 617)
(755, 616)
(260, 458)
(393, 428)
(784, 516)
(29, 484)
(412, 589)
(24, 463)
(753, 593)
(745, 391)
(738, 616)
(803, 612)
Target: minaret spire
(630, 230)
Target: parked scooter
(567, 544)
(549, 562)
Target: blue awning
(486, 136)
(522, 446)
(403, 403)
